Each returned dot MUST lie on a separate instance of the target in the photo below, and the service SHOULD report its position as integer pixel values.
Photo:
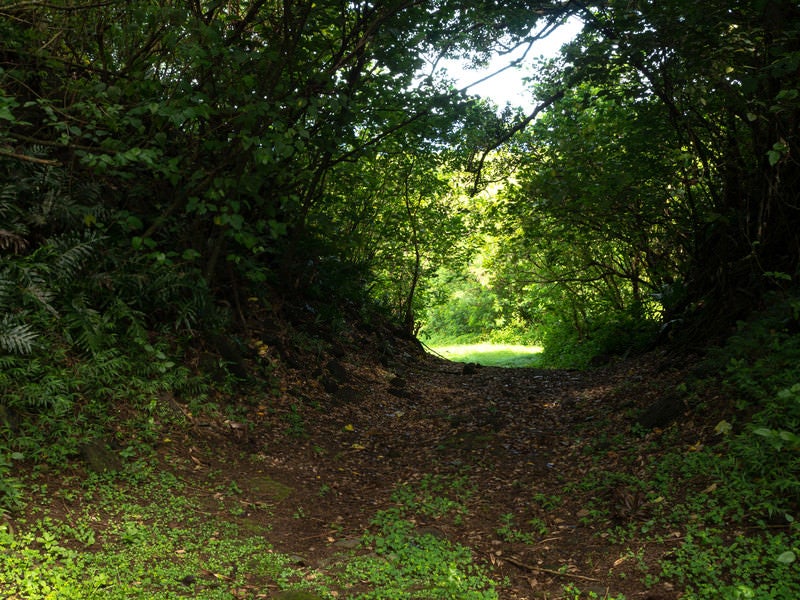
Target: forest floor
(540, 468)
(540, 474)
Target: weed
(547, 502)
(10, 487)
(573, 592)
(417, 564)
(748, 566)
(435, 496)
(296, 423)
(738, 514)
(510, 533)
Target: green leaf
(723, 427)
(787, 558)
(133, 223)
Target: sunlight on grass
(492, 355)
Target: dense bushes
(463, 310)
(761, 366)
(87, 327)
(741, 534)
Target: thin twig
(319, 535)
(522, 565)
(431, 350)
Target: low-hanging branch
(34, 159)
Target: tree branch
(509, 133)
(24, 6)
(33, 159)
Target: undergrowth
(134, 535)
(410, 561)
(145, 533)
(731, 497)
(742, 539)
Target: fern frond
(33, 283)
(120, 312)
(8, 197)
(9, 239)
(15, 337)
(14, 229)
(7, 289)
(8, 361)
(74, 252)
(86, 327)
(51, 392)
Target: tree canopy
(661, 185)
(315, 147)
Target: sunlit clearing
(491, 355)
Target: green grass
(492, 355)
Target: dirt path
(540, 450)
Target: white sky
(508, 85)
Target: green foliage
(732, 499)
(73, 344)
(435, 496)
(762, 372)
(420, 564)
(146, 533)
(614, 334)
(628, 205)
(574, 592)
(761, 357)
(295, 422)
(76, 332)
(15, 337)
(132, 525)
(463, 310)
(736, 499)
(752, 566)
(510, 532)
(55, 403)
(717, 137)
(266, 145)
(584, 246)
(11, 488)
(176, 152)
